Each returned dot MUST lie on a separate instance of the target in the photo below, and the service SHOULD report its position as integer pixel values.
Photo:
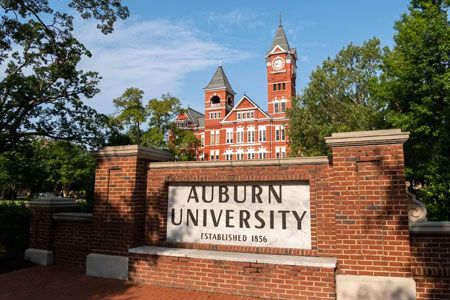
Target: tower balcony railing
(215, 104)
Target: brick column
(120, 196)
(372, 234)
(119, 206)
(42, 209)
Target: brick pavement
(58, 282)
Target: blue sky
(175, 46)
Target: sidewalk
(56, 282)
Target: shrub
(14, 227)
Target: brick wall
(430, 262)
(371, 211)
(359, 215)
(247, 279)
(119, 213)
(72, 242)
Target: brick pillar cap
(53, 203)
(146, 153)
(363, 138)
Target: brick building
(241, 130)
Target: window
(275, 107)
(280, 152)
(251, 136)
(214, 115)
(202, 139)
(284, 86)
(240, 136)
(215, 100)
(229, 139)
(229, 156)
(212, 139)
(251, 155)
(217, 137)
(283, 106)
(214, 154)
(279, 133)
(240, 156)
(274, 86)
(245, 115)
(262, 134)
(262, 155)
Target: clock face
(278, 63)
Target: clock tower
(281, 63)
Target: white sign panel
(262, 215)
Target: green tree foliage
(69, 168)
(47, 166)
(131, 113)
(161, 113)
(183, 144)
(133, 116)
(20, 170)
(339, 97)
(14, 227)
(416, 86)
(41, 86)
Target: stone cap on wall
(363, 138)
(72, 216)
(241, 163)
(146, 153)
(53, 203)
(440, 228)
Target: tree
(416, 86)
(69, 168)
(41, 87)
(21, 171)
(131, 112)
(339, 97)
(161, 113)
(183, 144)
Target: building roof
(219, 81)
(194, 116)
(280, 39)
(245, 97)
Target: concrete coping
(316, 160)
(442, 228)
(146, 153)
(304, 261)
(363, 138)
(52, 202)
(72, 217)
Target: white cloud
(153, 55)
(241, 18)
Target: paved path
(57, 282)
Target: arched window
(215, 100)
(229, 101)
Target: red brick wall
(247, 279)
(72, 242)
(372, 234)
(430, 261)
(41, 229)
(119, 205)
